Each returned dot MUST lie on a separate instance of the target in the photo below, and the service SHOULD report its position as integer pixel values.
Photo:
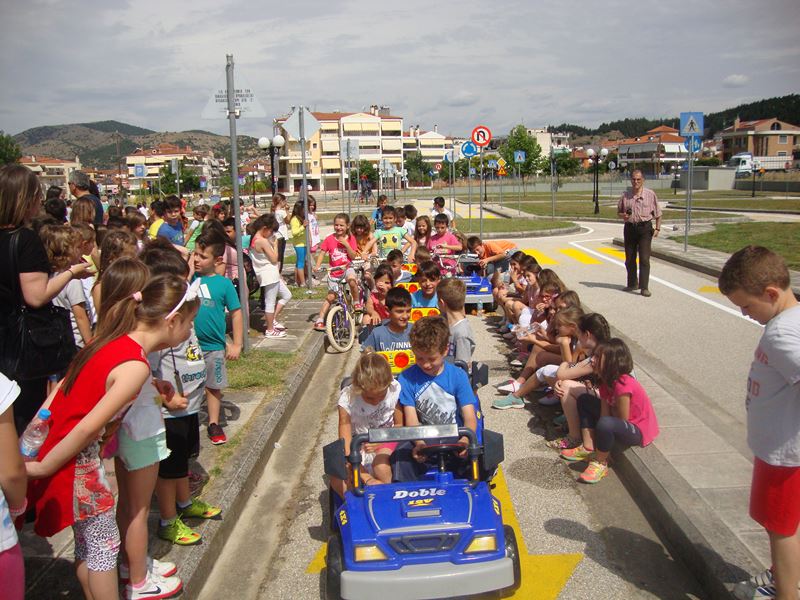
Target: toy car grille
(419, 544)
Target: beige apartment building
(204, 163)
(375, 136)
(764, 137)
(51, 171)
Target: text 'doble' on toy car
(441, 536)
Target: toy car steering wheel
(440, 451)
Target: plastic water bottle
(480, 308)
(35, 435)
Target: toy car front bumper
(438, 580)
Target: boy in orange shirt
(493, 255)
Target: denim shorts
(142, 453)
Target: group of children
(151, 327)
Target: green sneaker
(179, 533)
(199, 509)
(510, 401)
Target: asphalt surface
(579, 541)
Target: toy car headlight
(367, 553)
(482, 543)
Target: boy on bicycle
(341, 247)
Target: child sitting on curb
(622, 414)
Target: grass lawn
(783, 238)
(586, 209)
(741, 194)
(260, 369)
(708, 201)
(508, 225)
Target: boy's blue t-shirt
(174, 233)
(383, 339)
(216, 294)
(420, 301)
(377, 216)
(439, 399)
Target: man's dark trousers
(638, 239)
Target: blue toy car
(438, 537)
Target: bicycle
(342, 320)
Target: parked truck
(745, 162)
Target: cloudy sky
(455, 64)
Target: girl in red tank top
(68, 485)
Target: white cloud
(736, 80)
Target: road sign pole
(687, 218)
(304, 194)
(469, 189)
(243, 293)
(519, 191)
(481, 198)
(552, 184)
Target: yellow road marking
(709, 289)
(580, 256)
(620, 254)
(542, 259)
(543, 575)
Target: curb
(257, 444)
(682, 261)
(529, 234)
(765, 211)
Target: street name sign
(244, 98)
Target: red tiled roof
(663, 129)
(31, 159)
(335, 116)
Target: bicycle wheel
(340, 327)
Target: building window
(775, 127)
(783, 139)
(313, 146)
(316, 163)
(782, 153)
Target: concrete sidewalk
(223, 475)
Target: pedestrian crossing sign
(692, 123)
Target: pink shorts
(773, 497)
(387, 446)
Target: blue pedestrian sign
(693, 143)
(472, 171)
(203, 184)
(139, 171)
(692, 123)
(468, 150)
(492, 164)
(519, 156)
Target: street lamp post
(274, 146)
(253, 186)
(596, 162)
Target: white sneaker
(278, 326)
(515, 363)
(154, 588)
(510, 388)
(274, 333)
(761, 585)
(160, 568)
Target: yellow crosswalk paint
(709, 289)
(543, 575)
(620, 254)
(580, 256)
(542, 259)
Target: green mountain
(785, 108)
(96, 143)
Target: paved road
(579, 541)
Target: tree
(364, 168)
(190, 181)
(9, 149)
(417, 169)
(519, 139)
(566, 164)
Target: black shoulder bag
(36, 342)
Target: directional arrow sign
(693, 143)
(481, 136)
(468, 150)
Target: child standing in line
(756, 280)
(394, 334)
(137, 225)
(71, 488)
(439, 209)
(422, 230)
(377, 312)
(184, 368)
(342, 248)
(428, 276)
(411, 218)
(199, 215)
(365, 241)
(265, 258)
(313, 224)
(369, 402)
(281, 211)
(452, 294)
(116, 244)
(622, 413)
(217, 295)
(60, 242)
(390, 237)
(297, 225)
(172, 227)
(87, 250)
(377, 214)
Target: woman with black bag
(33, 343)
